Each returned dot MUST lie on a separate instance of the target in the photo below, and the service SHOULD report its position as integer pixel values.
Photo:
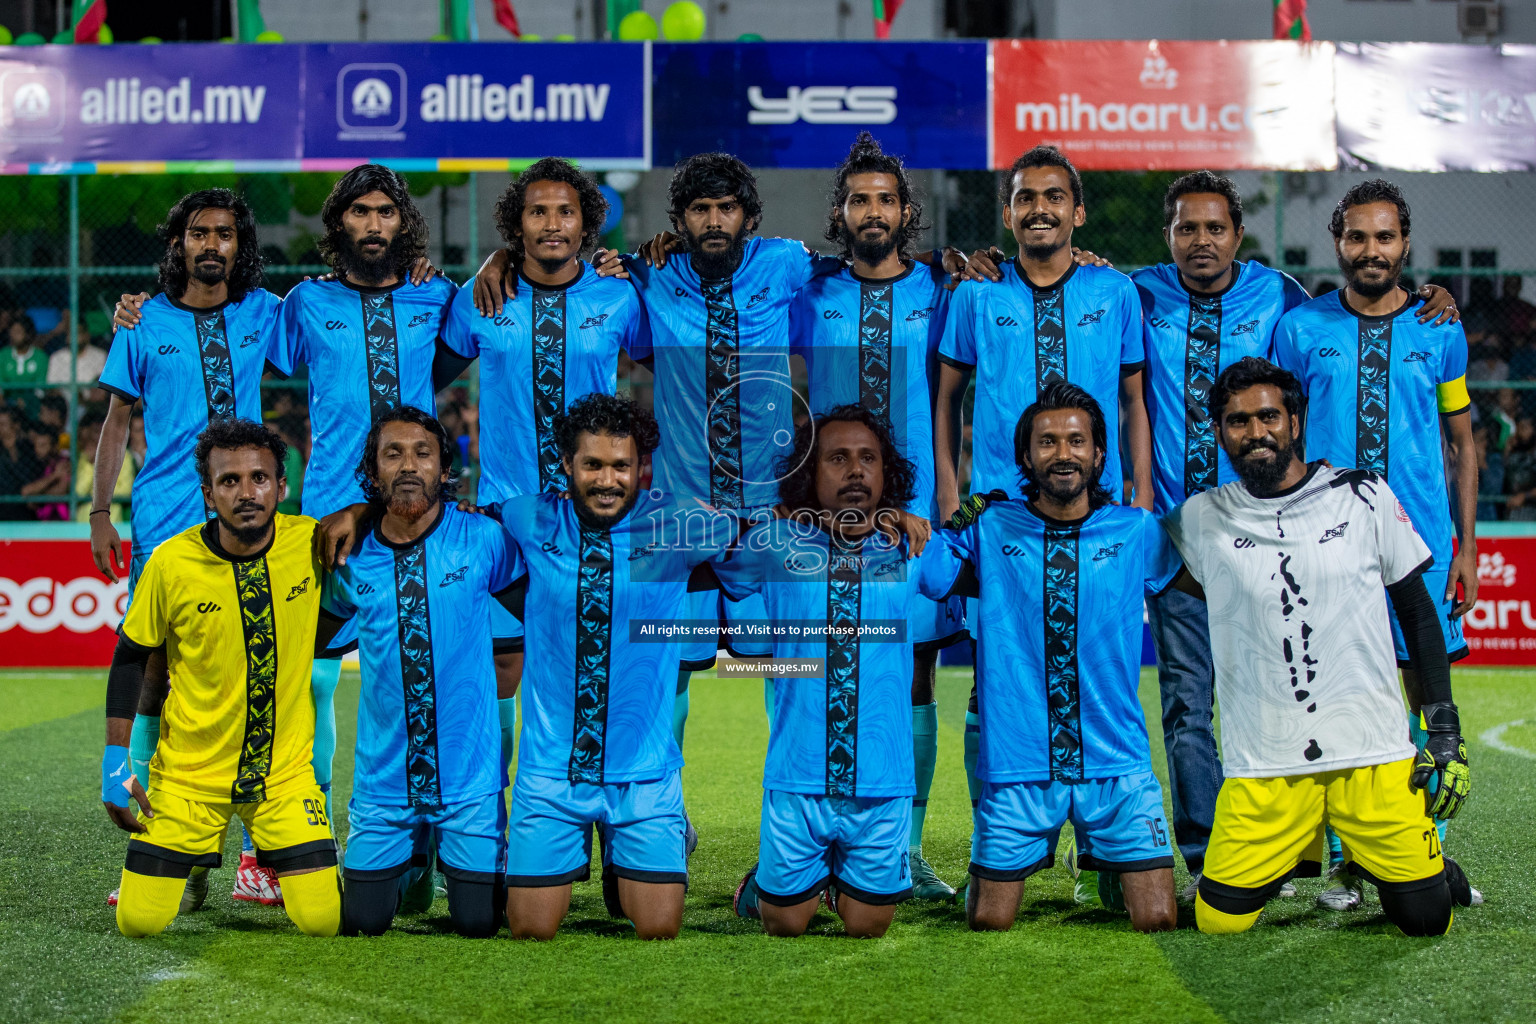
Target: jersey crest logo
(208, 606)
(644, 552)
(419, 319)
(1242, 542)
(365, 588)
(1016, 550)
(594, 321)
(1006, 321)
(1246, 327)
(249, 340)
(920, 314)
(1402, 517)
(1416, 357)
(1328, 352)
(504, 321)
(888, 568)
(831, 314)
(335, 325)
(1091, 318)
(552, 547)
(1160, 323)
(169, 350)
(1333, 533)
(457, 576)
(297, 589)
(1112, 551)
(759, 297)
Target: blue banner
(518, 101)
(801, 104)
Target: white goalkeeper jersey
(1306, 675)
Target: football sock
(313, 901)
(925, 753)
(475, 909)
(369, 906)
(246, 846)
(768, 699)
(1416, 732)
(972, 754)
(1335, 848)
(1214, 922)
(323, 678)
(147, 903)
(506, 712)
(141, 745)
(680, 708)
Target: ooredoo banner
(1162, 105)
(55, 609)
(1501, 627)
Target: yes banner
(1164, 105)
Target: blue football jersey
(599, 675)
(368, 350)
(1372, 402)
(547, 348)
(427, 732)
(1086, 328)
(847, 732)
(1190, 339)
(875, 344)
(189, 367)
(723, 393)
(1059, 648)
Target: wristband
(115, 775)
(1441, 717)
(100, 512)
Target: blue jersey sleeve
(803, 264)
(458, 330)
(800, 326)
(333, 594)
(740, 570)
(1287, 356)
(1162, 558)
(938, 567)
(1133, 345)
(637, 337)
(504, 559)
(1453, 360)
(958, 345)
(715, 542)
(289, 352)
(123, 375)
(1293, 294)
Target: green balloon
(749, 37)
(637, 26)
(30, 39)
(67, 36)
(151, 40)
(565, 37)
(104, 35)
(5, 36)
(441, 37)
(683, 22)
(531, 37)
(269, 36)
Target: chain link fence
(71, 246)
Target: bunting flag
(90, 15)
(1290, 20)
(885, 13)
(506, 17)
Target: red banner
(55, 609)
(1163, 105)
(1501, 628)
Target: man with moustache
(1292, 560)
(420, 584)
(1383, 389)
(1060, 577)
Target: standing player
(1293, 560)
(232, 604)
(869, 335)
(419, 584)
(557, 338)
(1388, 393)
(196, 358)
(839, 777)
(1062, 735)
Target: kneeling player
(1061, 577)
(838, 784)
(233, 603)
(1292, 559)
(419, 582)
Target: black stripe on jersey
(1202, 356)
(875, 348)
(1050, 337)
(253, 593)
(1372, 403)
(383, 353)
(721, 395)
(1061, 667)
(594, 635)
(414, 621)
(548, 382)
(842, 664)
(218, 370)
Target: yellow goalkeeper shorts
(291, 833)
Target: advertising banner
(1436, 107)
(496, 101)
(55, 609)
(1501, 628)
(802, 104)
(1162, 105)
(66, 104)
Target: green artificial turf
(62, 959)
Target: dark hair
(1040, 156)
(1197, 182)
(1250, 372)
(244, 276)
(55, 402)
(26, 324)
(713, 176)
(1376, 190)
(614, 415)
(509, 208)
(229, 435)
(797, 470)
(866, 157)
(1062, 395)
(355, 184)
(367, 471)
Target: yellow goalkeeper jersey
(239, 636)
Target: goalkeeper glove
(115, 776)
(1441, 769)
(971, 509)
